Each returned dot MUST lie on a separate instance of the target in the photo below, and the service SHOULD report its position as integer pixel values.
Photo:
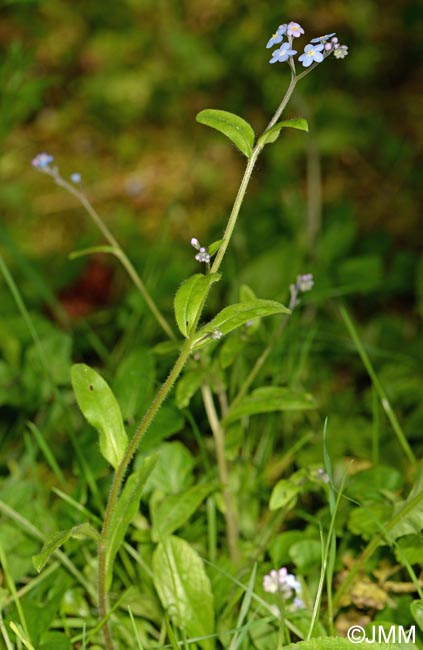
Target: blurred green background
(111, 89)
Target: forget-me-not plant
(189, 304)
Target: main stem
(173, 375)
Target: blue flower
(42, 160)
(312, 53)
(322, 39)
(283, 53)
(277, 36)
(75, 177)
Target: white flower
(341, 52)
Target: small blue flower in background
(312, 53)
(75, 177)
(277, 36)
(283, 53)
(294, 29)
(322, 39)
(42, 160)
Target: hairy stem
(219, 441)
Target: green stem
(219, 441)
(118, 250)
(235, 210)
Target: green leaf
(234, 127)
(410, 548)
(408, 514)
(246, 294)
(283, 494)
(306, 554)
(126, 508)
(268, 399)
(54, 641)
(279, 547)
(371, 484)
(230, 350)
(176, 509)
(184, 589)
(416, 609)
(274, 132)
(214, 247)
(100, 408)
(367, 521)
(133, 383)
(173, 472)
(187, 386)
(189, 300)
(55, 541)
(236, 315)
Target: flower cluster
(202, 255)
(42, 160)
(286, 585)
(318, 49)
(304, 283)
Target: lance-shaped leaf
(100, 408)
(214, 247)
(236, 315)
(274, 132)
(126, 509)
(189, 300)
(184, 589)
(268, 399)
(55, 541)
(176, 509)
(234, 127)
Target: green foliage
(189, 300)
(234, 127)
(268, 399)
(272, 134)
(171, 513)
(101, 410)
(184, 588)
(284, 495)
(119, 104)
(230, 318)
(55, 541)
